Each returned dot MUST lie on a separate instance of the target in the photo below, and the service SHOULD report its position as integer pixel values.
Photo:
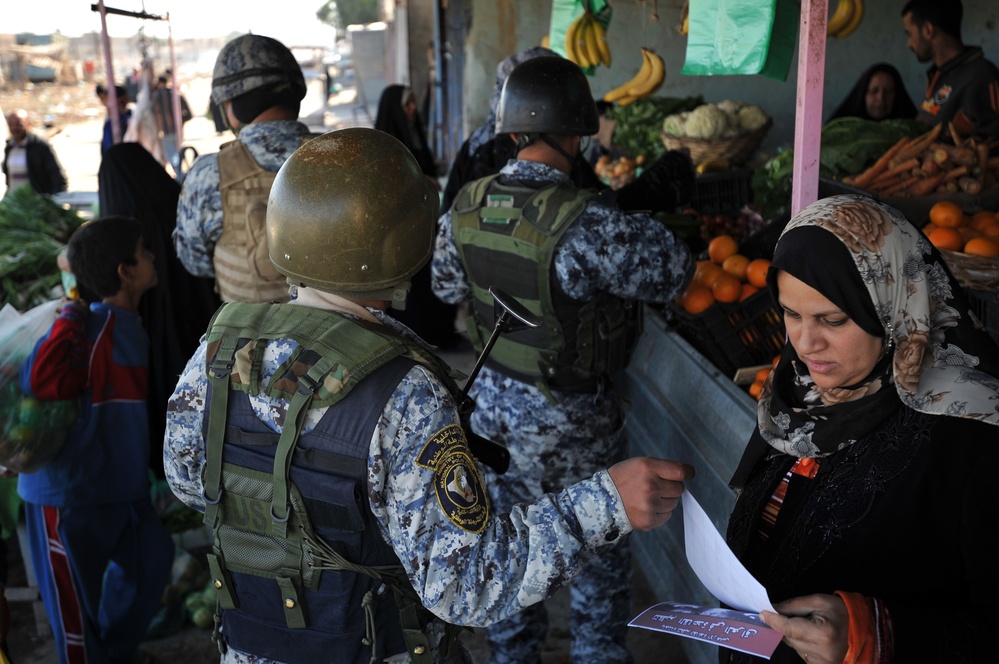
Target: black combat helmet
(547, 95)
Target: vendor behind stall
(962, 86)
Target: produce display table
(679, 406)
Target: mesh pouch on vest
(506, 234)
(334, 355)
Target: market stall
(690, 385)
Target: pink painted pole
(808, 109)
(109, 73)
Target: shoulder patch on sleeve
(457, 484)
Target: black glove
(665, 185)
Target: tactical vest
(243, 269)
(300, 567)
(506, 234)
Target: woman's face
(880, 95)
(409, 108)
(837, 351)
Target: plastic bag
(31, 431)
(741, 37)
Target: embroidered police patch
(456, 479)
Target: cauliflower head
(752, 118)
(676, 125)
(707, 121)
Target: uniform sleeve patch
(457, 484)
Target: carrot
(961, 156)
(926, 185)
(940, 156)
(929, 166)
(970, 185)
(883, 183)
(898, 169)
(920, 143)
(954, 136)
(866, 177)
(983, 155)
(955, 173)
(906, 165)
(899, 188)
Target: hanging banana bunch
(683, 27)
(649, 78)
(586, 42)
(846, 18)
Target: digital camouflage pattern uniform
(465, 573)
(199, 211)
(630, 256)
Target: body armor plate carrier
(297, 559)
(506, 234)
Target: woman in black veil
(176, 312)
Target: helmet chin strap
(523, 140)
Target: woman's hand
(816, 626)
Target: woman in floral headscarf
(865, 501)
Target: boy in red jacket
(100, 551)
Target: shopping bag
(729, 37)
(31, 431)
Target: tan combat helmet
(351, 213)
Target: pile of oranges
(951, 229)
(757, 387)
(727, 276)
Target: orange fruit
(706, 273)
(947, 238)
(726, 288)
(947, 214)
(755, 390)
(697, 298)
(736, 265)
(929, 228)
(982, 218)
(968, 233)
(991, 231)
(747, 290)
(762, 374)
(722, 247)
(756, 272)
(982, 246)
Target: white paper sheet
(715, 564)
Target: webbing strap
(290, 433)
(218, 374)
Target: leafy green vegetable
(849, 145)
(639, 123)
(33, 230)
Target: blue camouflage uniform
(552, 445)
(465, 574)
(199, 210)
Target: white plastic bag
(31, 431)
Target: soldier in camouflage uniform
(548, 396)
(220, 216)
(416, 501)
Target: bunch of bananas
(846, 18)
(648, 79)
(586, 42)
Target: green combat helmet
(351, 213)
(249, 62)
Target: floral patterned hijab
(937, 360)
